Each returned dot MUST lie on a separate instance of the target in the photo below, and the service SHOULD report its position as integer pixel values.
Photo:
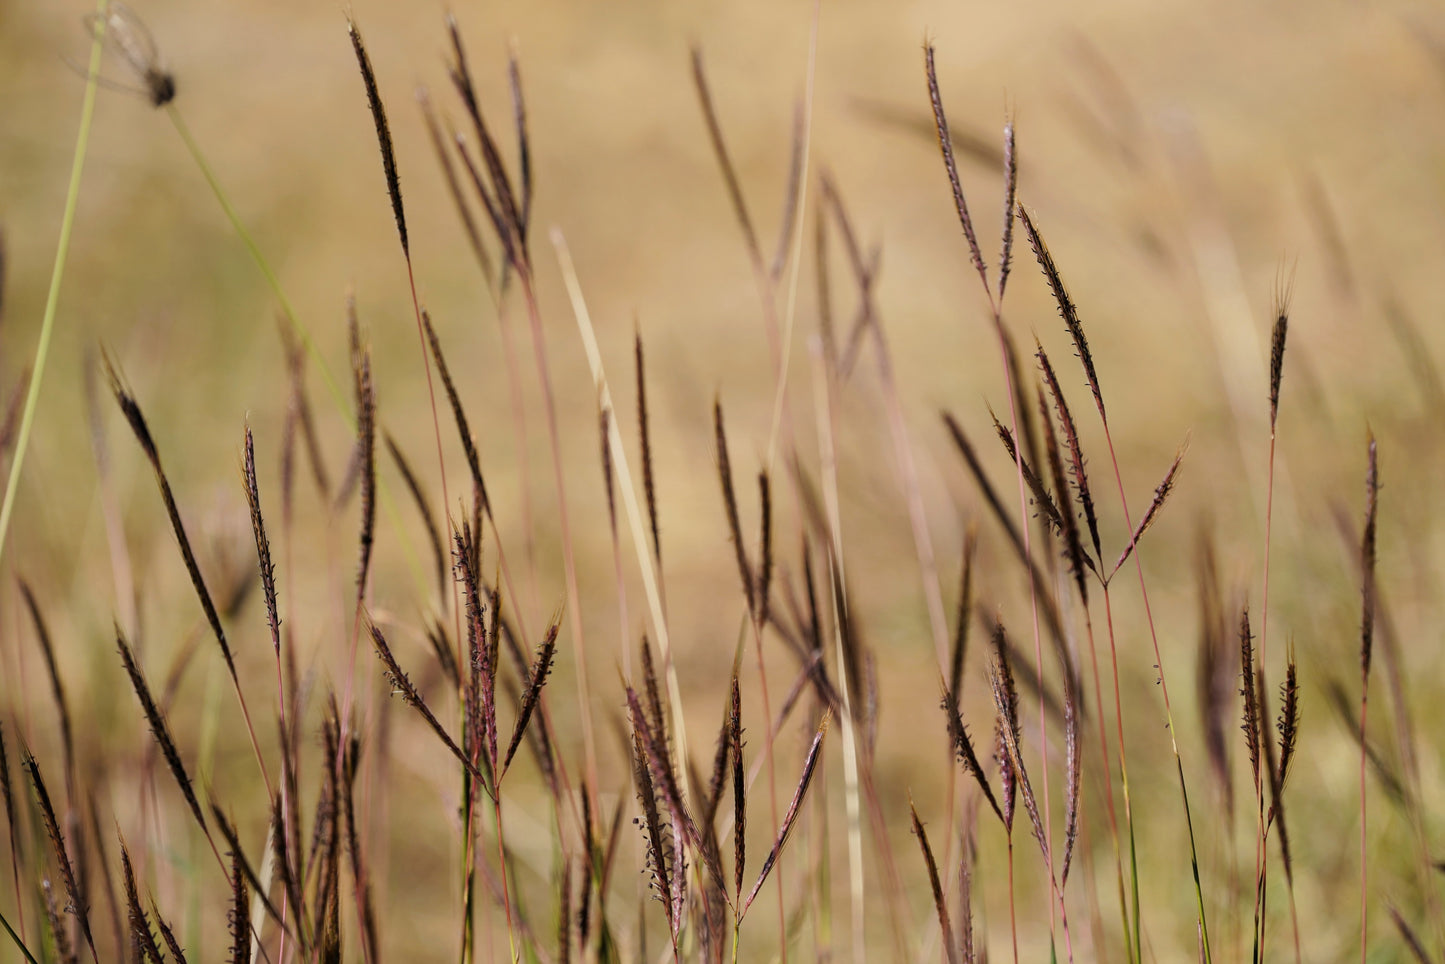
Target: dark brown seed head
(263, 545)
(1067, 311)
(541, 667)
(1074, 553)
(1076, 450)
(1288, 722)
(383, 132)
(1367, 562)
(1276, 345)
(159, 730)
(945, 144)
(940, 905)
(649, 481)
(1010, 193)
(740, 810)
(1161, 495)
(730, 504)
(1249, 695)
(730, 178)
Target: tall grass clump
(394, 774)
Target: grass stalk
(57, 272)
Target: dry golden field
(1186, 162)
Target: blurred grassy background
(1180, 158)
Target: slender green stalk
(31, 958)
(62, 249)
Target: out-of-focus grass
(1178, 156)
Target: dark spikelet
(366, 444)
(12, 826)
(167, 935)
(1001, 664)
(590, 868)
(132, 412)
(963, 748)
(965, 611)
(649, 480)
(1161, 495)
(1010, 193)
(57, 690)
(1287, 724)
(141, 935)
(604, 428)
(945, 144)
(652, 693)
(730, 503)
(454, 188)
(990, 494)
(469, 447)
(659, 849)
(564, 911)
(490, 204)
(506, 215)
(965, 898)
(1276, 815)
(1412, 941)
(371, 950)
(1276, 346)
(404, 687)
(159, 730)
(719, 148)
(62, 858)
(1288, 727)
(665, 781)
(940, 905)
(286, 868)
(1074, 553)
(765, 548)
(1009, 732)
(541, 667)
(58, 931)
(1367, 562)
(1215, 673)
(383, 132)
(722, 755)
(1076, 451)
(1042, 499)
(428, 518)
(482, 655)
(263, 544)
(1073, 767)
(1250, 698)
(740, 791)
(810, 764)
(239, 917)
(815, 618)
(524, 143)
(1067, 311)
(239, 862)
